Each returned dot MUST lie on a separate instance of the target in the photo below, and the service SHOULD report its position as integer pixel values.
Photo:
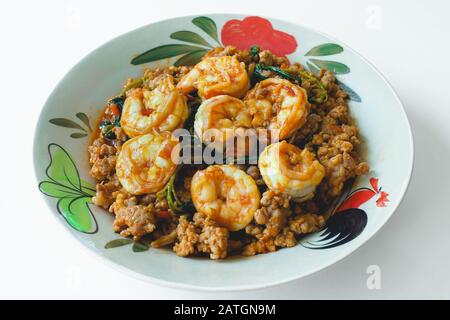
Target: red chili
(147, 112)
(163, 214)
(115, 110)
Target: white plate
(82, 93)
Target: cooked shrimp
(145, 163)
(226, 194)
(223, 120)
(217, 75)
(288, 169)
(163, 109)
(278, 105)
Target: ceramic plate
(70, 113)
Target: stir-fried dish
(241, 154)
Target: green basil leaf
(135, 83)
(254, 51)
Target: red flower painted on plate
(381, 202)
(257, 31)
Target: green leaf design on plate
(190, 58)
(74, 194)
(325, 49)
(162, 52)
(78, 135)
(140, 247)
(66, 123)
(118, 243)
(77, 213)
(56, 190)
(352, 95)
(333, 66)
(208, 25)
(62, 169)
(189, 36)
(83, 117)
(313, 68)
(87, 188)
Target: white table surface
(407, 40)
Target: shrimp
(278, 105)
(215, 76)
(145, 163)
(290, 170)
(223, 120)
(163, 109)
(225, 194)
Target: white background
(407, 40)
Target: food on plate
(291, 170)
(162, 108)
(145, 164)
(226, 194)
(251, 203)
(222, 119)
(215, 76)
(278, 105)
